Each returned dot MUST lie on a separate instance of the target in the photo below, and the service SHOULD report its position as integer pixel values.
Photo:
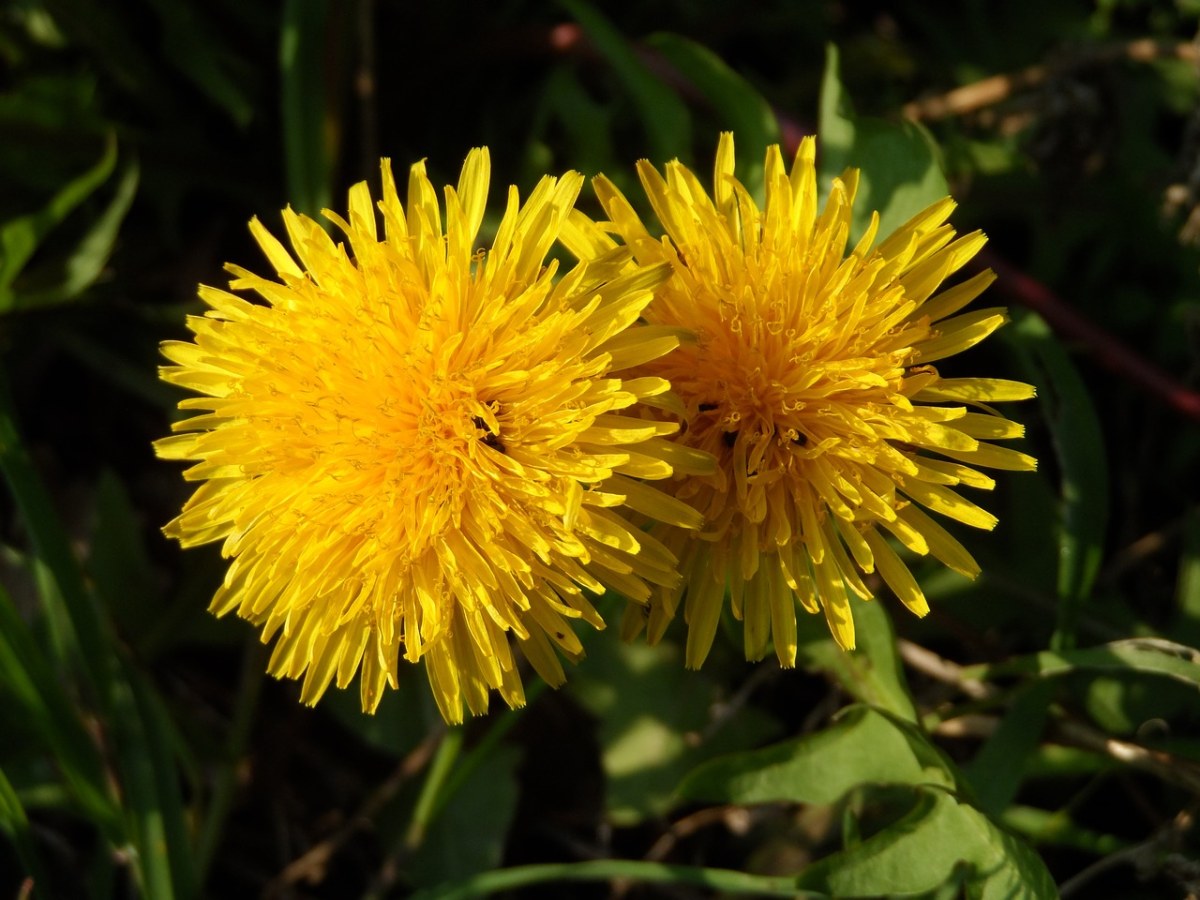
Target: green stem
(724, 880)
(429, 802)
(473, 759)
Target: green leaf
(586, 124)
(192, 45)
(655, 722)
(118, 563)
(70, 277)
(1187, 590)
(900, 172)
(63, 591)
(872, 672)
(864, 746)
(1149, 656)
(1058, 829)
(468, 834)
(739, 107)
(142, 741)
(301, 63)
(20, 238)
(996, 771)
(664, 116)
(151, 792)
(33, 691)
(15, 825)
(927, 848)
(1079, 446)
(104, 29)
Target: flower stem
(725, 880)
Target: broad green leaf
(1187, 590)
(864, 746)
(900, 172)
(664, 116)
(927, 848)
(302, 67)
(1149, 656)
(996, 771)
(1079, 445)
(650, 712)
(20, 238)
(872, 672)
(1122, 702)
(739, 107)
(469, 832)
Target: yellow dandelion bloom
(811, 379)
(411, 445)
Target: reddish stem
(1106, 348)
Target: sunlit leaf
(654, 717)
(898, 162)
(1148, 656)
(927, 848)
(871, 672)
(863, 747)
(1060, 830)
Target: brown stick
(996, 88)
(311, 866)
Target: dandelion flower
(811, 379)
(411, 446)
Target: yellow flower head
(810, 380)
(416, 446)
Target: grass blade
(31, 682)
(89, 631)
(1079, 445)
(15, 824)
(306, 158)
(20, 237)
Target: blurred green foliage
(1040, 727)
